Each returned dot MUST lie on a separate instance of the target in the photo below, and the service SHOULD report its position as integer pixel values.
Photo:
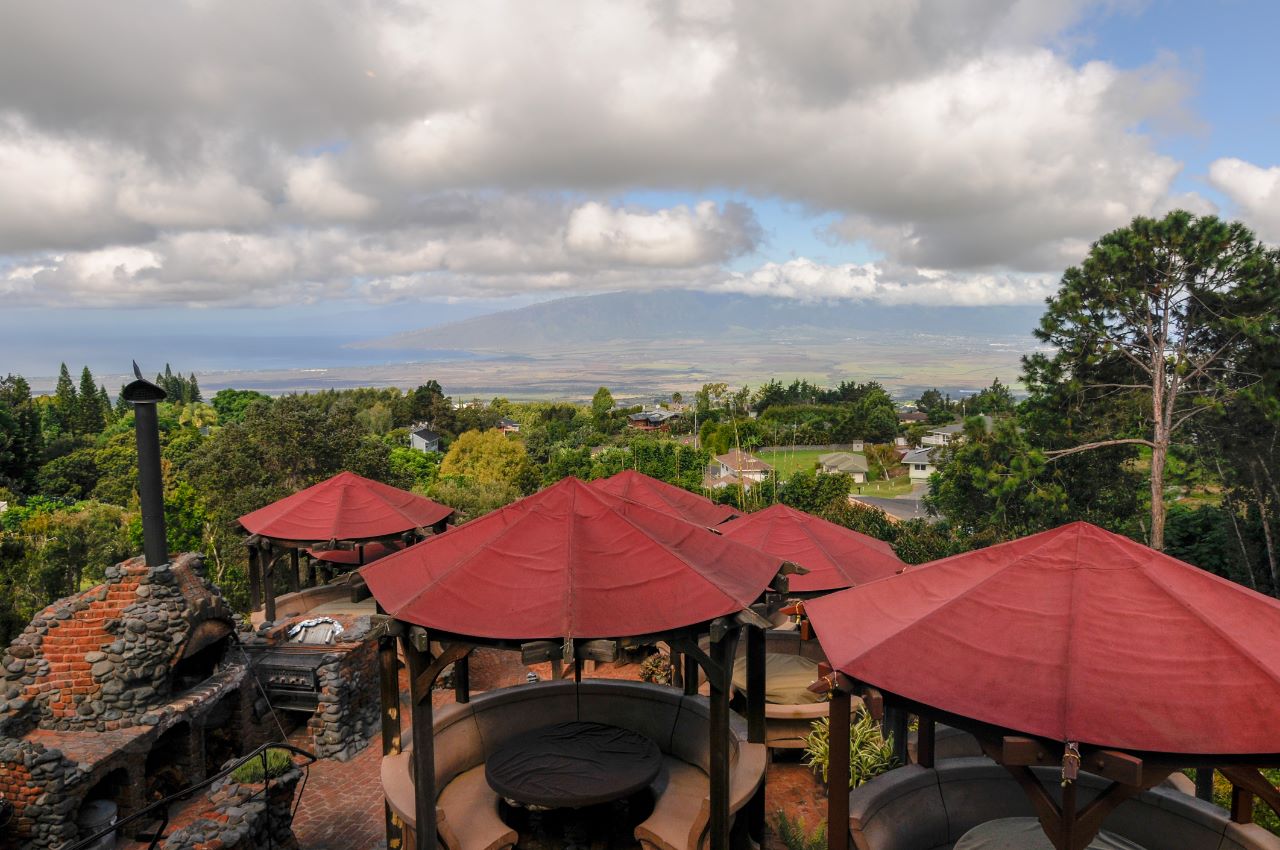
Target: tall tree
(1149, 331)
(25, 443)
(64, 407)
(601, 407)
(89, 418)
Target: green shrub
(792, 833)
(870, 752)
(249, 773)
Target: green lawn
(899, 486)
(787, 462)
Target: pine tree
(88, 409)
(122, 406)
(64, 402)
(193, 390)
(104, 404)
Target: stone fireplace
(126, 692)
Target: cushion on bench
(467, 815)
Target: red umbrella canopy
(1074, 634)
(570, 562)
(835, 556)
(345, 507)
(641, 488)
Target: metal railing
(163, 805)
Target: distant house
(508, 426)
(713, 481)
(948, 434)
(651, 420)
(737, 464)
(846, 463)
(919, 463)
(424, 439)
(943, 434)
(912, 417)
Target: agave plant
(870, 752)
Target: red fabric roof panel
(345, 507)
(1074, 634)
(641, 488)
(835, 556)
(570, 561)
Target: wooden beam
(294, 580)
(755, 685)
(425, 678)
(840, 719)
(719, 731)
(389, 686)
(926, 741)
(255, 579)
(424, 761)
(462, 679)
(1252, 780)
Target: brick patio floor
(341, 806)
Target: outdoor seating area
(467, 735)
(975, 804)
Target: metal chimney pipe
(144, 396)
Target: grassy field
(899, 486)
(787, 462)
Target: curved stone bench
(467, 809)
(916, 808)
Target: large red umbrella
(345, 507)
(1075, 634)
(570, 562)
(835, 556)
(641, 488)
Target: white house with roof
(920, 463)
(844, 463)
(423, 439)
(734, 466)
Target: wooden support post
(462, 679)
(756, 727)
(895, 721)
(255, 579)
(838, 771)
(424, 761)
(1069, 830)
(690, 675)
(1204, 783)
(268, 585)
(677, 669)
(311, 571)
(1241, 804)
(389, 686)
(926, 738)
(577, 671)
(294, 581)
(718, 676)
(755, 685)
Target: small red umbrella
(570, 561)
(1075, 635)
(345, 507)
(641, 488)
(835, 556)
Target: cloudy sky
(383, 165)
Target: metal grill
(290, 679)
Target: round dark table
(571, 765)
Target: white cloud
(669, 237)
(385, 149)
(806, 280)
(1254, 190)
